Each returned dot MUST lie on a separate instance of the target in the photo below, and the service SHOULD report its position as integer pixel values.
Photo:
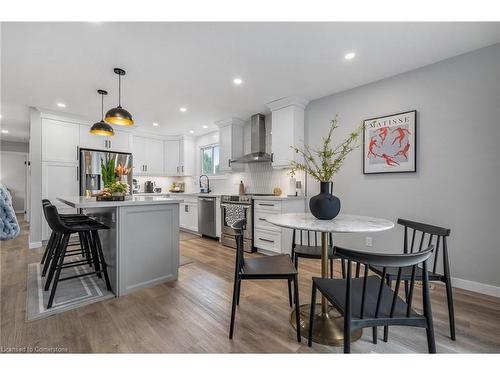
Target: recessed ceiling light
(61, 105)
(191, 131)
(155, 124)
(183, 109)
(237, 81)
(4, 131)
(349, 56)
(205, 126)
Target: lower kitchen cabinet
(268, 238)
(188, 214)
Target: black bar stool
(88, 232)
(55, 239)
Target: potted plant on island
(113, 189)
(322, 164)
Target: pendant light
(118, 115)
(101, 128)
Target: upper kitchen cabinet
(180, 157)
(287, 129)
(120, 142)
(230, 142)
(147, 156)
(60, 141)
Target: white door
(155, 158)
(87, 140)
(60, 141)
(13, 175)
(172, 153)
(119, 142)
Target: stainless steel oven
(227, 233)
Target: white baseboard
(34, 245)
(474, 286)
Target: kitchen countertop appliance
(149, 187)
(206, 216)
(90, 169)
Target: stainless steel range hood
(257, 142)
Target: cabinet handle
(266, 240)
(266, 204)
(77, 174)
(109, 144)
(177, 169)
(262, 219)
(182, 169)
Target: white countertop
(277, 198)
(343, 223)
(85, 202)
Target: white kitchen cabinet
(60, 141)
(188, 214)
(87, 140)
(230, 142)
(268, 238)
(148, 156)
(172, 157)
(287, 130)
(120, 142)
(180, 157)
(187, 152)
(154, 154)
(58, 180)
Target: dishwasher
(206, 217)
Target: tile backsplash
(257, 177)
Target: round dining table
(328, 328)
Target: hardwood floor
(192, 314)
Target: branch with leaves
(322, 163)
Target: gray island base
(142, 246)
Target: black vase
(325, 206)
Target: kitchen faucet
(207, 189)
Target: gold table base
(328, 329)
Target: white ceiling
(170, 65)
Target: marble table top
(343, 223)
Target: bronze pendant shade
(118, 115)
(101, 128)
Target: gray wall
(14, 146)
(457, 184)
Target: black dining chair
(307, 244)
(436, 236)
(277, 267)
(368, 301)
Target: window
(210, 160)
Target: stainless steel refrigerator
(90, 169)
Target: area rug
(70, 294)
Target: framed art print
(389, 143)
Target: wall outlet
(369, 241)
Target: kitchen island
(142, 246)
